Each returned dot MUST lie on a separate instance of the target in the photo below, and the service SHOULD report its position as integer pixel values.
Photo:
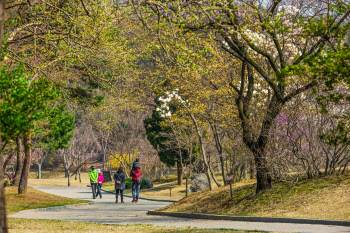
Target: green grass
(321, 198)
(50, 226)
(34, 199)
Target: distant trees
(83, 148)
(53, 133)
(165, 141)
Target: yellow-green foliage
(118, 160)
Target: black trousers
(117, 193)
(93, 187)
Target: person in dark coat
(119, 179)
(136, 180)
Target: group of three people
(96, 180)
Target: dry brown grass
(58, 179)
(50, 226)
(161, 189)
(322, 198)
(33, 199)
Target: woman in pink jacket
(100, 180)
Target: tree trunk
(7, 161)
(79, 176)
(207, 173)
(22, 187)
(179, 173)
(218, 146)
(203, 153)
(222, 164)
(39, 170)
(104, 161)
(68, 179)
(3, 220)
(251, 169)
(263, 175)
(213, 176)
(206, 165)
(19, 166)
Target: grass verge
(34, 199)
(50, 226)
(321, 198)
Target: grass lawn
(159, 191)
(321, 198)
(50, 226)
(161, 188)
(53, 178)
(34, 199)
(46, 174)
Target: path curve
(107, 212)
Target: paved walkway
(108, 212)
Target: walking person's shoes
(136, 201)
(116, 200)
(133, 200)
(93, 197)
(122, 202)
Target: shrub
(128, 183)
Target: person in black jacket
(119, 179)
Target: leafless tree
(84, 148)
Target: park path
(106, 211)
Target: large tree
(270, 39)
(3, 220)
(23, 103)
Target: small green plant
(128, 183)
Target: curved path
(107, 212)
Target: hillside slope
(321, 198)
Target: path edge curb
(51, 208)
(250, 219)
(142, 198)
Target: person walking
(136, 180)
(100, 180)
(93, 180)
(119, 179)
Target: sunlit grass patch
(320, 198)
(50, 226)
(34, 199)
(58, 179)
